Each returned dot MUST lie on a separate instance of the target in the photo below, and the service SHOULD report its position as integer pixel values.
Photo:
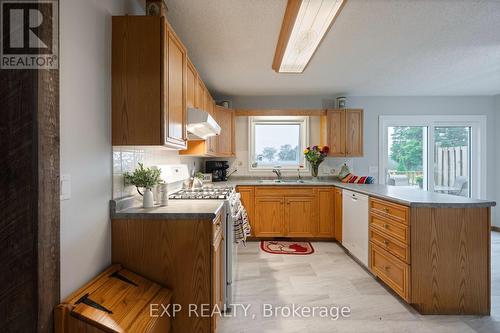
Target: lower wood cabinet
(394, 272)
(290, 211)
(247, 194)
(435, 258)
(337, 192)
(325, 199)
(300, 217)
(269, 217)
(183, 255)
(217, 268)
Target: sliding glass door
(439, 154)
(451, 170)
(407, 156)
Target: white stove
(205, 192)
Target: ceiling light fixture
(305, 24)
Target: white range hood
(201, 125)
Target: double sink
(280, 181)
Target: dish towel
(240, 220)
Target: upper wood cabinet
(354, 133)
(225, 141)
(176, 116)
(191, 82)
(344, 132)
(148, 83)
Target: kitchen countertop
(130, 208)
(405, 196)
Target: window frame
(302, 121)
(478, 148)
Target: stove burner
(206, 192)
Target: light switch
(65, 189)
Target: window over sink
(277, 142)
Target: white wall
(85, 104)
(376, 106)
(496, 174)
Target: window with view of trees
(277, 142)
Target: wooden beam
(292, 9)
(279, 112)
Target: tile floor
(330, 277)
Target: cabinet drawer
(399, 249)
(284, 191)
(396, 212)
(390, 228)
(391, 270)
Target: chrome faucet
(277, 172)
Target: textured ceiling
(376, 47)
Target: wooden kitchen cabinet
(184, 255)
(326, 212)
(225, 141)
(191, 85)
(338, 214)
(247, 199)
(148, 83)
(336, 132)
(175, 99)
(344, 132)
(218, 282)
(291, 211)
(354, 133)
(402, 239)
(199, 98)
(300, 217)
(269, 216)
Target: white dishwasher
(355, 224)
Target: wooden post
(29, 198)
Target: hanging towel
(240, 220)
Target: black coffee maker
(218, 169)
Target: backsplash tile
(126, 159)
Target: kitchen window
(277, 142)
(443, 154)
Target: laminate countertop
(130, 208)
(405, 196)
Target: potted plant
(145, 178)
(315, 155)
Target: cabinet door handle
(386, 210)
(386, 242)
(387, 268)
(386, 226)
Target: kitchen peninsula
(433, 250)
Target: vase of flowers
(315, 155)
(145, 178)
